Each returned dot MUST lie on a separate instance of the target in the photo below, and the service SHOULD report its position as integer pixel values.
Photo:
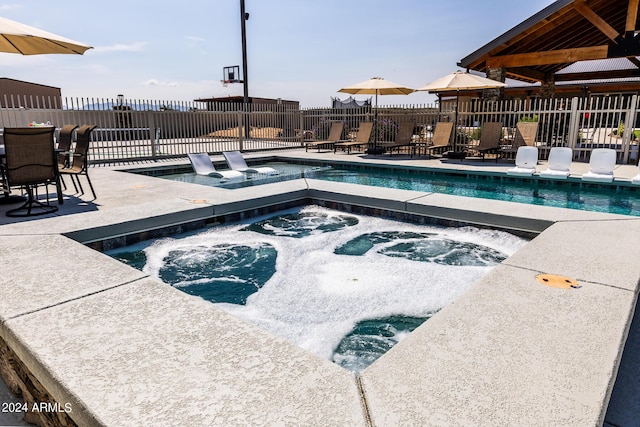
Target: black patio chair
(79, 164)
(31, 162)
(65, 138)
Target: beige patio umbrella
(16, 37)
(26, 40)
(459, 80)
(377, 86)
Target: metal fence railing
(142, 130)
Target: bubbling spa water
(345, 287)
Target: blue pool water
(572, 195)
(346, 287)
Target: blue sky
(297, 49)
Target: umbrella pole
(375, 120)
(455, 122)
(374, 149)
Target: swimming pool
(287, 171)
(343, 286)
(571, 194)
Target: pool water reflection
(569, 194)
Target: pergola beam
(608, 30)
(632, 15)
(565, 56)
(596, 20)
(524, 73)
(560, 56)
(630, 27)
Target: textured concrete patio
(125, 349)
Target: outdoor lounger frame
(202, 165)
(236, 162)
(335, 135)
(362, 138)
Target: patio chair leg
(91, 186)
(75, 187)
(79, 184)
(76, 184)
(30, 204)
(59, 190)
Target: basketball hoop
(227, 82)
(230, 74)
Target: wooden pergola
(562, 34)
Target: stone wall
(495, 94)
(548, 87)
(41, 408)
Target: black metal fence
(141, 130)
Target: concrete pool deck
(122, 348)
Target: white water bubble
(316, 297)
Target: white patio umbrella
(16, 37)
(377, 86)
(458, 81)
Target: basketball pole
(243, 19)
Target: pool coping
(58, 331)
(486, 170)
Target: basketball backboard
(231, 74)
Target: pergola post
(494, 94)
(548, 86)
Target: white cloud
(154, 82)
(133, 47)
(5, 7)
(195, 39)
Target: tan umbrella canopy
(23, 39)
(459, 80)
(377, 86)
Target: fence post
(152, 126)
(301, 133)
(574, 122)
(240, 130)
(629, 124)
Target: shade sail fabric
(460, 80)
(16, 37)
(377, 86)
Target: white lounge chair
(526, 161)
(559, 163)
(601, 165)
(636, 179)
(202, 165)
(236, 162)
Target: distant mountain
(142, 106)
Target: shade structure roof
(565, 32)
(16, 37)
(377, 86)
